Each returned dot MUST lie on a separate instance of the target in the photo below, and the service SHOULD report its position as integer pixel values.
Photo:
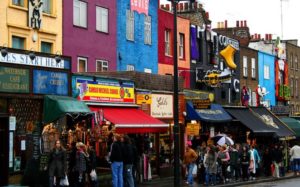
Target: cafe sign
(14, 80)
(162, 106)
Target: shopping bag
(93, 175)
(64, 181)
(194, 171)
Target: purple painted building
(89, 34)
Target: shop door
(3, 150)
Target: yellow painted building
(15, 31)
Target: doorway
(4, 150)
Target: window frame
(51, 50)
(245, 66)
(291, 61)
(266, 72)
(296, 62)
(296, 88)
(253, 68)
(50, 2)
(80, 8)
(86, 63)
(148, 30)
(12, 42)
(130, 67)
(129, 25)
(292, 86)
(21, 3)
(102, 28)
(181, 46)
(167, 42)
(102, 66)
(147, 70)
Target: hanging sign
(141, 6)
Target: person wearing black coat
(129, 156)
(277, 157)
(267, 161)
(116, 159)
(57, 164)
(245, 161)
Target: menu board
(44, 158)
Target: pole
(175, 101)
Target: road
(294, 182)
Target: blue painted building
(266, 73)
(137, 36)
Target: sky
(263, 16)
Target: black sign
(281, 110)
(201, 103)
(44, 158)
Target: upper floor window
(147, 70)
(291, 60)
(296, 87)
(292, 87)
(130, 67)
(81, 64)
(101, 65)
(129, 25)
(47, 6)
(18, 42)
(147, 30)
(253, 68)
(181, 45)
(167, 43)
(18, 2)
(80, 13)
(296, 62)
(46, 47)
(245, 66)
(266, 72)
(102, 19)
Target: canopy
(58, 106)
(132, 120)
(293, 124)
(215, 114)
(249, 119)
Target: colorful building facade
(89, 32)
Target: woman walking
(81, 164)
(210, 163)
(245, 158)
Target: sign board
(201, 104)
(12, 123)
(192, 129)
(44, 158)
(162, 106)
(49, 82)
(105, 91)
(281, 110)
(141, 6)
(14, 80)
(143, 98)
(193, 94)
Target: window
(82, 64)
(46, 47)
(266, 72)
(79, 13)
(296, 62)
(253, 68)
(18, 42)
(101, 65)
(147, 70)
(18, 2)
(167, 43)
(147, 30)
(292, 87)
(181, 45)
(130, 25)
(245, 67)
(291, 61)
(296, 87)
(47, 6)
(102, 19)
(130, 67)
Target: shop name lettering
(161, 102)
(162, 114)
(103, 90)
(15, 78)
(25, 60)
(213, 112)
(56, 79)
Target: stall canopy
(249, 119)
(58, 106)
(293, 124)
(132, 120)
(281, 129)
(216, 113)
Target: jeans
(190, 178)
(210, 178)
(117, 174)
(129, 182)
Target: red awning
(132, 120)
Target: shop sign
(143, 98)
(281, 110)
(162, 106)
(49, 82)
(194, 95)
(224, 41)
(106, 91)
(14, 80)
(201, 104)
(40, 61)
(141, 6)
(35, 13)
(192, 129)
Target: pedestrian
(234, 162)
(91, 164)
(116, 159)
(128, 162)
(254, 162)
(210, 163)
(57, 164)
(267, 162)
(295, 156)
(277, 160)
(190, 158)
(245, 159)
(224, 159)
(81, 165)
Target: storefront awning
(281, 129)
(58, 106)
(293, 124)
(132, 120)
(216, 113)
(249, 119)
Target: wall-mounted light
(32, 55)
(58, 57)
(4, 51)
(119, 56)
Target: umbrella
(222, 139)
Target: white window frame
(167, 43)
(147, 70)
(130, 25)
(253, 68)
(19, 3)
(82, 17)
(84, 59)
(147, 30)
(292, 87)
(296, 62)
(296, 88)
(181, 45)
(104, 64)
(49, 3)
(102, 19)
(245, 66)
(266, 72)
(130, 67)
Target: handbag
(64, 181)
(93, 175)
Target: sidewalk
(167, 182)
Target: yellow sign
(143, 99)
(193, 129)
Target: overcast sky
(263, 16)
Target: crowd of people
(219, 164)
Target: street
(294, 182)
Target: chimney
(259, 36)
(207, 15)
(225, 24)
(270, 37)
(218, 25)
(186, 6)
(167, 7)
(245, 23)
(252, 37)
(255, 36)
(196, 5)
(181, 6)
(237, 24)
(242, 24)
(162, 6)
(267, 37)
